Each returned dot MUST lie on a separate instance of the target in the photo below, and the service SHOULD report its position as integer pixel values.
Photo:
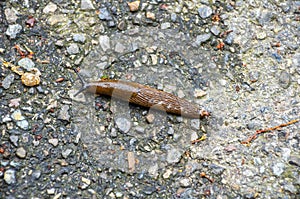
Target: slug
(143, 96)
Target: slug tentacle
(144, 96)
(83, 83)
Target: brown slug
(144, 96)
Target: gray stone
(229, 39)
(23, 124)
(26, 63)
(153, 170)
(165, 25)
(120, 48)
(185, 182)
(21, 152)
(73, 49)
(11, 15)
(174, 155)
(50, 8)
(14, 139)
(205, 12)
(215, 30)
(86, 5)
(290, 188)
(123, 124)
(104, 14)
(66, 153)
(195, 123)
(104, 42)
(278, 168)
(64, 113)
(53, 141)
(13, 30)
(173, 17)
(8, 80)
(79, 38)
(10, 176)
(284, 79)
(36, 174)
(201, 39)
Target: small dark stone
(104, 14)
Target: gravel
(240, 61)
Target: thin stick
(253, 137)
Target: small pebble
(150, 15)
(10, 176)
(198, 93)
(51, 191)
(167, 174)
(104, 14)
(120, 48)
(86, 5)
(229, 39)
(50, 8)
(79, 38)
(133, 6)
(131, 161)
(261, 35)
(215, 30)
(17, 115)
(73, 49)
(201, 39)
(104, 42)
(14, 139)
(11, 15)
(56, 19)
(13, 30)
(278, 168)
(150, 118)
(153, 170)
(195, 123)
(173, 17)
(204, 12)
(66, 153)
(123, 124)
(64, 113)
(86, 180)
(26, 63)
(21, 153)
(8, 80)
(53, 141)
(23, 124)
(173, 156)
(154, 59)
(165, 25)
(185, 182)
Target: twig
(253, 137)
(199, 140)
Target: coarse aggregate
(240, 60)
